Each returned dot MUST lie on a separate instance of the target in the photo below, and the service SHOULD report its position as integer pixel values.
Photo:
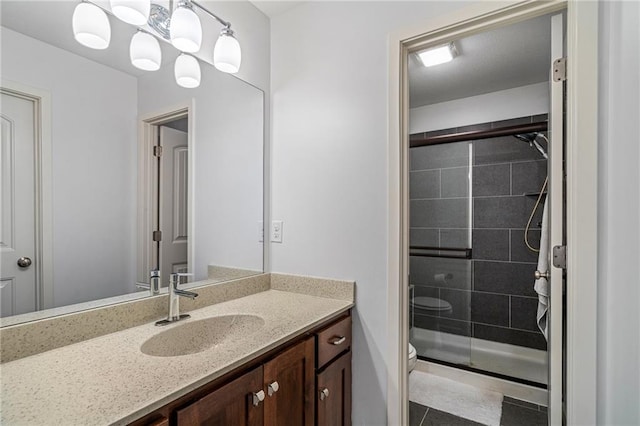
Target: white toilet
(431, 305)
(413, 357)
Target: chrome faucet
(174, 299)
(154, 283)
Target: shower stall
(476, 219)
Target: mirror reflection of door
(173, 190)
(18, 290)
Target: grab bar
(464, 253)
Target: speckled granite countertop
(108, 380)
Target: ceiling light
(185, 28)
(145, 52)
(187, 71)
(91, 26)
(134, 12)
(438, 55)
(227, 54)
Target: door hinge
(157, 151)
(560, 69)
(157, 236)
(560, 257)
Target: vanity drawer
(333, 340)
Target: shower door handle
(538, 275)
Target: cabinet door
(289, 383)
(232, 404)
(334, 393)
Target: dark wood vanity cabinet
(305, 382)
(333, 374)
(289, 382)
(232, 404)
(334, 393)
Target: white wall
(329, 162)
(619, 215)
(94, 161)
(505, 104)
(227, 151)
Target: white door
(173, 202)
(556, 234)
(18, 290)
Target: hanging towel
(541, 285)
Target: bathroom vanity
(274, 349)
(305, 381)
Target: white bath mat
(462, 400)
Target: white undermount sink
(190, 337)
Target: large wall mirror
(110, 173)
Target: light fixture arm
(222, 22)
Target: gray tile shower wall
(491, 295)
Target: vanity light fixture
(134, 12)
(182, 29)
(187, 71)
(226, 53)
(91, 26)
(185, 29)
(144, 51)
(438, 55)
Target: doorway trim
(43, 197)
(581, 164)
(147, 200)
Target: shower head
(527, 137)
(530, 138)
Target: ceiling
(504, 58)
(275, 8)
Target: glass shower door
(440, 252)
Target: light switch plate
(276, 231)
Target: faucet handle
(174, 277)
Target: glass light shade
(187, 71)
(145, 52)
(185, 30)
(91, 26)
(134, 12)
(227, 54)
(438, 55)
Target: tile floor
(521, 413)
(514, 413)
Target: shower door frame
(581, 165)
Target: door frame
(43, 179)
(581, 166)
(147, 200)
